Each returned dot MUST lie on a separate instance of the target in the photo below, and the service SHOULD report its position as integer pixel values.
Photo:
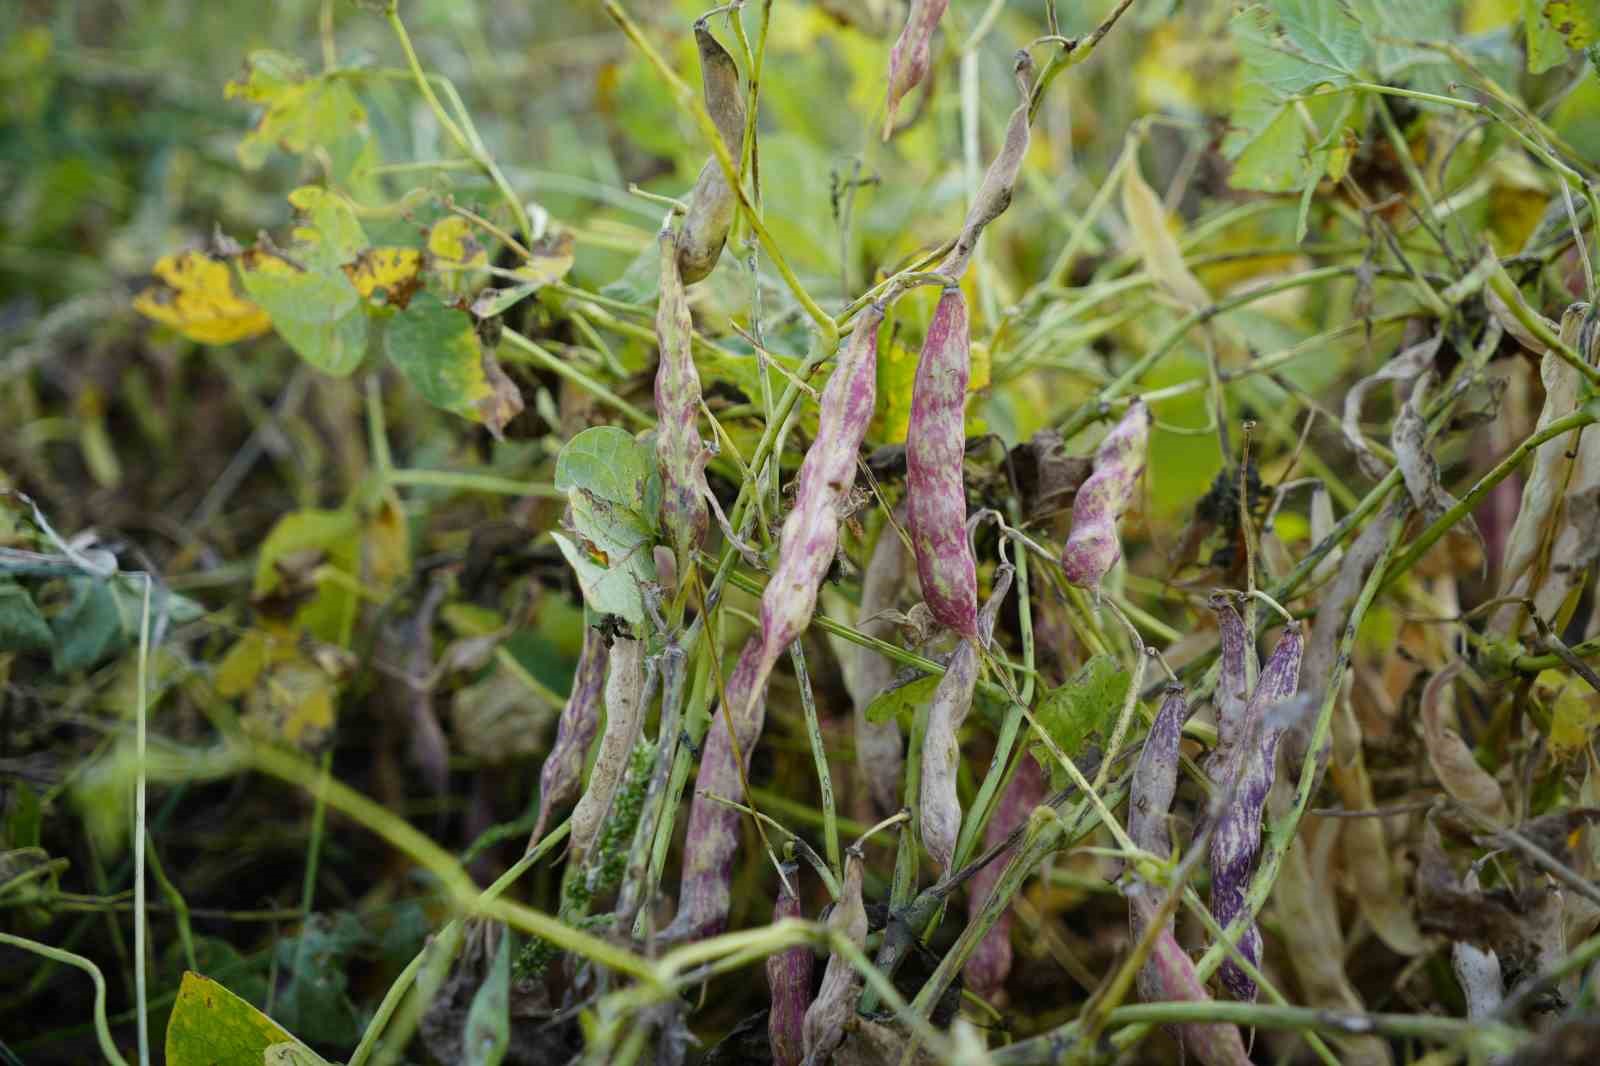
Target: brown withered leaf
(1452, 761)
(1046, 475)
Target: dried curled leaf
(1407, 365)
(1452, 761)
(1162, 257)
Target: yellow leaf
(552, 258)
(396, 272)
(1156, 244)
(292, 703)
(196, 297)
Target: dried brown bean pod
(841, 982)
(713, 202)
(562, 771)
(936, 491)
(880, 751)
(624, 723)
(1000, 180)
(789, 979)
(1453, 762)
(940, 804)
(990, 963)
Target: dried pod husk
(910, 57)
(806, 549)
(940, 812)
(1405, 366)
(789, 979)
(1477, 969)
(624, 723)
(1000, 180)
(1168, 975)
(1418, 465)
(680, 452)
(1236, 839)
(1093, 546)
(1529, 548)
(1155, 777)
(1453, 762)
(990, 964)
(880, 751)
(562, 771)
(841, 982)
(714, 202)
(936, 491)
(1576, 538)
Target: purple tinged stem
(580, 721)
(936, 492)
(1093, 547)
(1236, 841)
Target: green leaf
(436, 347)
(24, 817)
(317, 313)
(902, 702)
(211, 1026)
(608, 464)
(611, 587)
(1397, 63)
(22, 627)
(1082, 709)
(287, 582)
(300, 113)
(1285, 52)
(488, 1030)
(329, 234)
(90, 628)
(316, 1001)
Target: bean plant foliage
(799, 532)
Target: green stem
(470, 482)
(565, 369)
(108, 1046)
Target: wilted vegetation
(800, 532)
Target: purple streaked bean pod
(625, 699)
(910, 58)
(1155, 778)
(1236, 840)
(806, 550)
(1232, 693)
(789, 978)
(952, 699)
(1000, 180)
(580, 721)
(880, 751)
(1093, 547)
(1168, 975)
(713, 202)
(990, 964)
(936, 492)
(680, 452)
(841, 982)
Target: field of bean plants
(871, 532)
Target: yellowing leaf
(318, 313)
(436, 347)
(293, 704)
(300, 112)
(211, 1026)
(392, 273)
(197, 299)
(453, 240)
(552, 258)
(1157, 247)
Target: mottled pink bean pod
(910, 58)
(841, 983)
(940, 804)
(1155, 778)
(806, 550)
(1232, 694)
(1093, 547)
(680, 452)
(1236, 840)
(1168, 975)
(789, 979)
(580, 721)
(990, 964)
(936, 491)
